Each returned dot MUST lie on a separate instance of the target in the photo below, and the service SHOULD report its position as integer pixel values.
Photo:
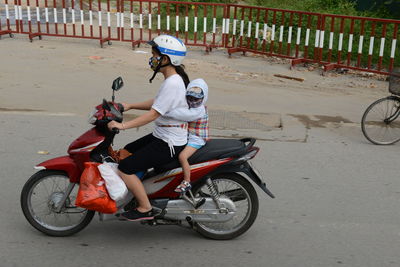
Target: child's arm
(185, 114)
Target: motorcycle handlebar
(115, 130)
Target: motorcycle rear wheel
(242, 193)
(39, 198)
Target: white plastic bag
(122, 202)
(115, 185)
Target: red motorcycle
(222, 204)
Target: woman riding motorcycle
(169, 136)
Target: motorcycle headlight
(92, 119)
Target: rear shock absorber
(212, 187)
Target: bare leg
(136, 187)
(183, 159)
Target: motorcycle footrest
(200, 203)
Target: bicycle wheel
(380, 123)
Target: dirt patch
(321, 120)
(20, 110)
(225, 120)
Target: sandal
(183, 187)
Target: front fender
(64, 163)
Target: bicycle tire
(373, 124)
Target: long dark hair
(181, 71)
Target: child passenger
(196, 96)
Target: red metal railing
(6, 27)
(68, 18)
(271, 31)
(195, 23)
(366, 44)
(334, 41)
(330, 40)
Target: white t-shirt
(171, 95)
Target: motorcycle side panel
(164, 184)
(80, 149)
(66, 164)
(86, 142)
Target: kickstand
(192, 200)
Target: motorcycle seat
(213, 149)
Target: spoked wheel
(39, 201)
(242, 193)
(380, 123)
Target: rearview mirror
(117, 84)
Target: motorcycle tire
(34, 219)
(246, 192)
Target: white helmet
(170, 46)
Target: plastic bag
(92, 193)
(118, 155)
(122, 202)
(115, 185)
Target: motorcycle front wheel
(242, 193)
(40, 197)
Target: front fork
(393, 117)
(61, 204)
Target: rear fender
(241, 168)
(64, 163)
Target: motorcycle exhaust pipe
(189, 219)
(108, 217)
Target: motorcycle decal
(152, 187)
(156, 183)
(86, 148)
(164, 176)
(176, 171)
(39, 168)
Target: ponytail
(181, 71)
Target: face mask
(154, 62)
(194, 102)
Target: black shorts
(147, 152)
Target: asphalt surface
(337, 200)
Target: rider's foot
(136, 215)
(183, 187)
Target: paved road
(337, 205)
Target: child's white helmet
(170, 46)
